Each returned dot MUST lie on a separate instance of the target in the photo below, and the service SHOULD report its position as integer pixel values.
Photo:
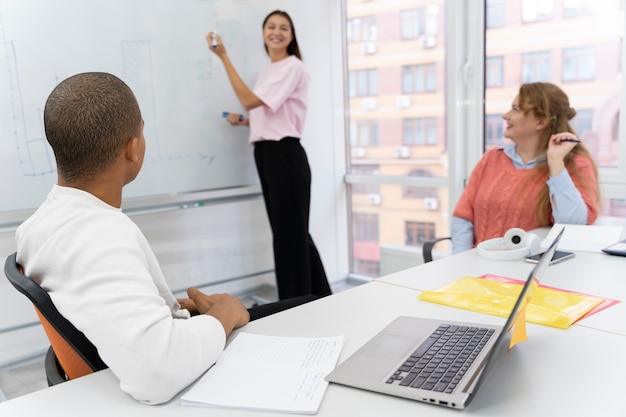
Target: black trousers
(285, 177)
(265, 310)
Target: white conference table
(546, 375)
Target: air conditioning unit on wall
(431, 203)
(370, 103)
(358, 152)
(403, 102)
(403, 151)
(373, 199)
(428, 41)
(368, 48)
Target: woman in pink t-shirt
(277, 106)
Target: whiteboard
(158, 48)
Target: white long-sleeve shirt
(104, 278)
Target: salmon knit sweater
(498, 196)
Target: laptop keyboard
(442, 360)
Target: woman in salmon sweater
(545, 176)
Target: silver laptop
(432, 361)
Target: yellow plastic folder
(548, 306)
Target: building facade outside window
(396, 67)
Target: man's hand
(229, 310)
(189, 305)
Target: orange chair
(71, 354)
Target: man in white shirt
(95, 262)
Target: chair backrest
(76, 354)
(427, 248)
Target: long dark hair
(292, 48)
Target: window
(579, 64)
(535, 66)
(362, 29)
(582, 123)
(365, 226)
(365, 170)
(363, 83)
(494, 130)
(422, 131)
(419, 192)
(536, 10)
(495, 13)
(494, 71)
(419, 232)
(521, 46)
(572, 8)
(419, 78)
(419, 22)
(367, 268)
(618, 207)
(363, 133)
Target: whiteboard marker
(225, 114)
(214, 39)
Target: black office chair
(264, 310)
(71, 354)
(427, 248)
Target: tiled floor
(29, 377)
(22, 379)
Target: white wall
(319, 32)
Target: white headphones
(516, 244)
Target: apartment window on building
(419, 192)
(363, 133)
(582, 123)
(537, 10)
(367, 169)
(494, 131)
(419, 78)
(365, 227)
(618, 207)
(579, 64)
(419, 22)
(615, 128)
(495, 13)
(573, 8)
(362, 29)
(367, 268)
(494, 71)
(419, 131)
(418, 232)
(363, 82)
(536, 66)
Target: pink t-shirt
(282, 86)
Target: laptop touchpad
(389, 346)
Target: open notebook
(429, 360)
